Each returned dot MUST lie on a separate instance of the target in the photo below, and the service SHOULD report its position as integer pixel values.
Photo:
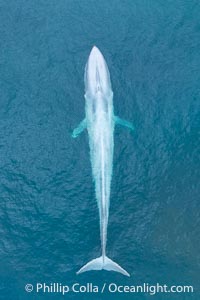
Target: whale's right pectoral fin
(80, 128)
(119, 121)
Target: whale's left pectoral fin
(119, 121)
(80, 128)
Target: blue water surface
(49, 224)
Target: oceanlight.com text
(76, 287)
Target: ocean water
(49, 224)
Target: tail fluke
(103, 263)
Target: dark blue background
(49, 223)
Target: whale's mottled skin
(100, 122)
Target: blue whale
(100, 122)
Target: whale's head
(97, 77)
